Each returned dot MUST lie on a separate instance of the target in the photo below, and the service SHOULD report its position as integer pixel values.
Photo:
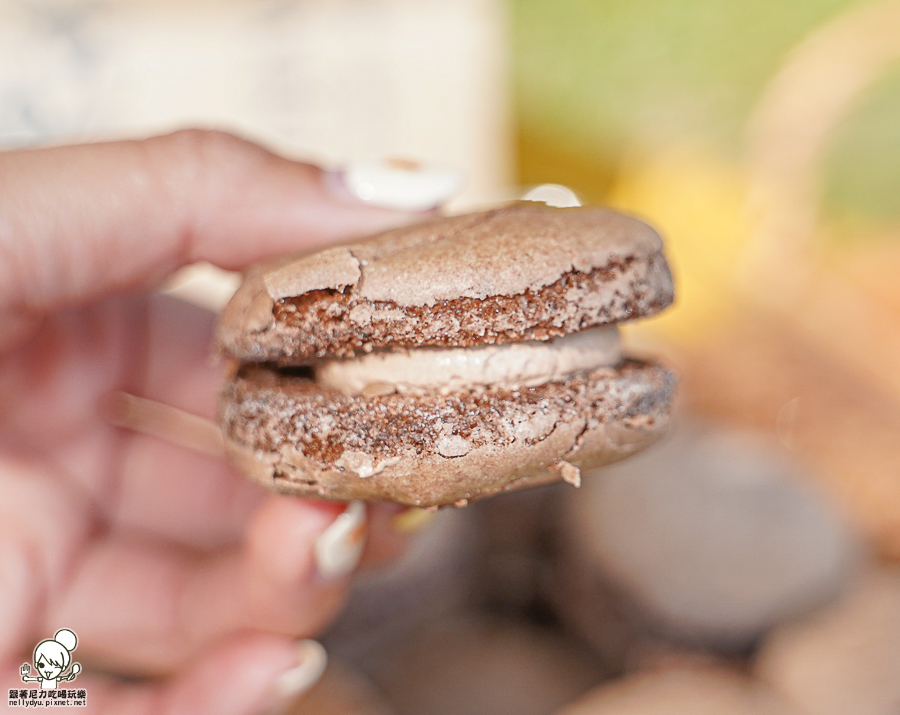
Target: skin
(165, 562)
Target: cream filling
(444, 370)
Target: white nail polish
(339, 548)
(311, 659)
(402, 185)
(555, 195)
(204, 285)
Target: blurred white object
(553, 195)
(336, 82)
(403, 185)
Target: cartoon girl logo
(51, 658)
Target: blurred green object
(863, 169)
(598, 79)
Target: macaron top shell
(522, 272)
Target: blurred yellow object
(413, 519)
(696, 200)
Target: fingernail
(412, 519)
(401, 184)
(553, 195)
(290, 685)
(203, 285)
(339, 548)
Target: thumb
(78, 222)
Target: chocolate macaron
(446, 361)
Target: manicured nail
(204, 285)
(412, 519)
(311, 662)
(403, 185)
(553, 195)
(339, 548)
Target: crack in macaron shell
(331, 323)
(407, 325)
(521, 272)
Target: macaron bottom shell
(296, 437)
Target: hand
(162, 560)
(24, 670)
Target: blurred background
(745, 565)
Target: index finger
(77, 222)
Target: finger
(56, 388)
(43, 525)
(267, 673)
(143, 483)
(178, 368)
(181, 495)
(387, 536)
(188, 495)
(81, 221)
(141, 607)
(164, 488)
(250, 674)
